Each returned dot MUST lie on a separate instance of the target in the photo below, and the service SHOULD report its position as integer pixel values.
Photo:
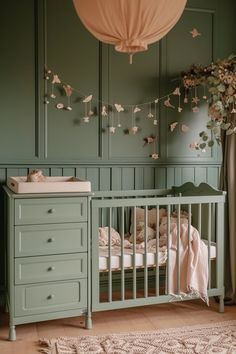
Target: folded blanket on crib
(193, 262)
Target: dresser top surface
(45, 195)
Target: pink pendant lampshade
(129, 25)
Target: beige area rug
(205, 339)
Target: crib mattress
(139, 257)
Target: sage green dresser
(48, 257)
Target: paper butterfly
(104, 111)
(56, 80)
(68, 90)
(154, 156)
(88, 98)
(149, 140)
(195, 33)
(167, 103)
(119, 108)
(177, 92)
(137, 109)
(173, 126)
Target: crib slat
(220, 251)
(157, 251)
(145, 254)
(109, 258)
(199, 222)
(189, 225)
(209, 244)
(178, 249)
(122, 255)
(134, 255)
(168, 250)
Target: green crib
(146, 245)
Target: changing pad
(51, 185)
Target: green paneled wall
(39, 33)
(17, 81)
(73, 53)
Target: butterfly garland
(117, 108)
(112, 111)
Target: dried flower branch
(220, 79)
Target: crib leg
(88, 320)
(221, 303)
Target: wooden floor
(134, 319)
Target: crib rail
(150, 281)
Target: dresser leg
(12, 333)
(88, 321)
(221, 304)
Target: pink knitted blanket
(193, 262)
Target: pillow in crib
(104, 236)
(140, 233)
(140, 214)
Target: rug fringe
(191, 293)
(48, 346)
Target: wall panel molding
(175, 61)
(20, 117)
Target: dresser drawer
(50, 268)
(34, 240)
(50, 210)
(52, 297)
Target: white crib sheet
(139, 257)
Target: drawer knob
(51, 211)
(51, 239)
(51, 268)
(51, 296)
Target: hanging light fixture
(129, 25)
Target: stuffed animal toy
(36, 176)
(140, 233)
